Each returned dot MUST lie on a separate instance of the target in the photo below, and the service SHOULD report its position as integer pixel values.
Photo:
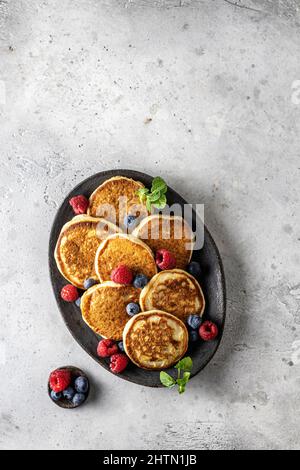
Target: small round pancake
(76, 247)
(103, 308)
(170, 232)
(124, 249)
(105, 201)
(174, 291)
(155, 339)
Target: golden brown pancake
(174, 291)
(103, 308)
(105, 200)
(76, 247)
(170, 232)
(155, 339)
(124, 249)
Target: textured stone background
(79, 83)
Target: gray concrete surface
(80, 82)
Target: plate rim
(135, 174)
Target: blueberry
(140, 281)
(78, 302)
(132, 309)
(194, 268)
(78, 399)
(89, 283)
(121, 346)
(193, 336)
(81, 384)
(55, 395)
(69, 393)
(130, 221)
(194, 321)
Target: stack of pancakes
(92, 245)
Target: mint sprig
(184, 366)
(155, 197)
(166, 379)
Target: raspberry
(121, 275)
(69, 293)
(208, 331)
(59, 380)
(106, 348)
(118, 362)
(165, 259)
(79, 204)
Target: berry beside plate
(68, 387)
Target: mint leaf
(186, 377)
(185, 364)
(158, 184)
(142, 193)
(166, 379)
(155, 196)
(161, 202)
(164, 190)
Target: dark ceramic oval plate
(212, 282)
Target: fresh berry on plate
(132, 309)
(130, 221)
(106, 348)
(81, 384)
(79, 204)
(208, 331)
(121, 275)
(78, 399)
(193, 336)
(55, 395)
(140, 281)
(165, 259)
(118, 362)
(68, 393)
(89, 283)
(78, 301)
(194, 268)
(59, 380)
(194, 321)
(69, 293)
(121, 346)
